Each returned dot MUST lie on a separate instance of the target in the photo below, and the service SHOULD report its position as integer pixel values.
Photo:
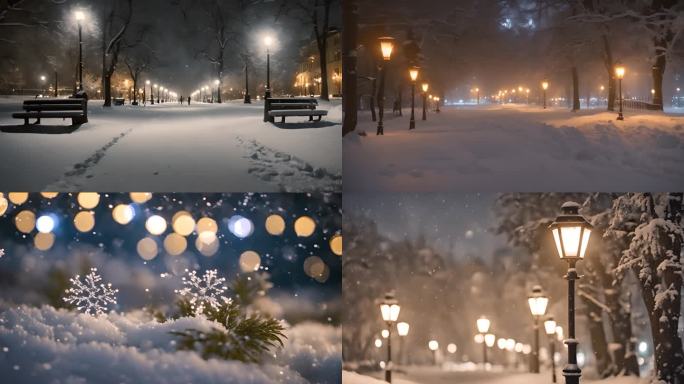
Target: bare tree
(138, 62)
(317, 13)
(350, 20)
(115, 21)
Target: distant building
(308, 78)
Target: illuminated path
(169, 147)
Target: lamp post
(386, 47)
(550, 328)
(413, 74)
(571, 234)
(144, 97)
(42, 83)
(390, 312)
(268, 41)
(489, 341)
(433, 345)
(545, 86)
(80, 16)
(538, 303)
(217, 82)
(620, 74)
(527, 93)
(483, 324)
(437, 101)
(477, 92)
(402, 330)
(425, 87)
(155, 86)
(678, 105)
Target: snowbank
(517, 148)
(41, 345)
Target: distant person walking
(181, 99)
(188, 100)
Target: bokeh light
(123, 214)
(207, 243)
(147, 248)
(249, 261)
(18, 198)
(175, 244)
(140, 197)
(183, 223)
(25, 221)
(240, 226)
(84, 221)
(336, 244)
(315, 268)
(88, 200)
(304, 226)
(3, 204)
(207, 224)
(275, 225)
(44, 241)
(155, 225)
(45, 224)
(49, 195)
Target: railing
(639, 105)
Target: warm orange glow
(413, 73)
(425, 87)
(386, 47)
(620, 71)
(545, 85)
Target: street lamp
(489, 341)
(437, 101)
(80, 16)
(620, 74)
(477, 92)
(550, 328)
(483, 324)
(268, 42)
(433, 345)
(217, 82)
(571, 233)
(386, 48)
(390, 312)
(678, 89)
(425, 87)
(545, 86)
(147, 82)
(402, 330)
(413, 74)
(538, 303)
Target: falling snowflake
(90, 295)
(203, 291)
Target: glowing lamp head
(490, 339)
(425, 87)
(42, 78)
(652, 91)
(268, 41)
(571, 232)
(217, 81)
(519, 347)
(389, 308)
(619, 71)
(479, 338)
(559, 332)
(545, 85)
(386, 47)
(520, 89)
(413, 73)
(452, 348)
(602, 87)
(501, 343)
(510, 344)
(550, 326)
(433, 345)
(384, 333)
(483, 324)
(147, 82)
(79, 15)
(378, 343)
(537, 301)
(403, 328)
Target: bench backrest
(291, 103)
(57, 105)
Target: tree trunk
(575, 90)
(374, 91)
(135, 89)
(658, 70)
(107, 81)
(350, 15)
(610, 68)
(589, 292)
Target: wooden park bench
(293, 106)
(119, 101)
(74, 109)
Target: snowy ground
(425, 375)
(45, 345)
(517, 148)
(169, 147)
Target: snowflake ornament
(90, 296)
(203, 291)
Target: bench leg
(282, 120)
(37, 121)
(310, 118)
(26, 121)
(319, 117)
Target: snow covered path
(434, 376)
(169, 147)
(517, 148)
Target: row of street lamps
(571, 233)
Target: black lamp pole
(412, 124)
(381, 99)
(388, 365)
(484, 352)
(268, 73)
(424, 105)
(535, 361)
(620, 117)
(572, 371)
(80, 57)
(553, 360)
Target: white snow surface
(172, 147)
(517, 148)
(46, 345)
(437, 377)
